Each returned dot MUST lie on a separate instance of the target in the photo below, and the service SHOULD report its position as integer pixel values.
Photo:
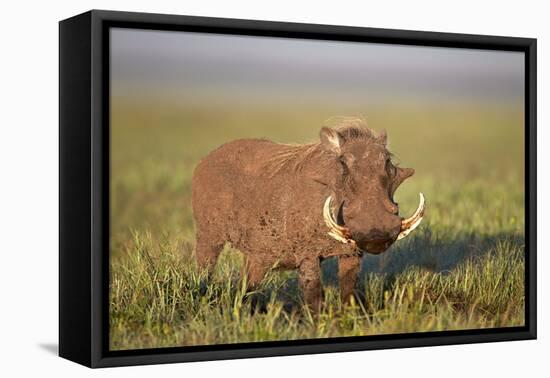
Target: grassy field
(463, 268)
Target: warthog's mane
(294, 157)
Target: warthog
(276, 204)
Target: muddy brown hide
(266, 200)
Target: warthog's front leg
(310, 281)
(348, 268)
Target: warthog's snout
(377, 241)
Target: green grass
(462, 269)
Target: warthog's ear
(403, 174)
(382, 137)
(331, 140)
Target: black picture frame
(84, 182)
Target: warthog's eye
(347, 161)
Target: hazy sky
(182, 63)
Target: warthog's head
(365, 180)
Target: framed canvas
(235, 188)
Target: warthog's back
(233, 195)
(243, 157)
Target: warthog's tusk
(409, 224)
(337, 232)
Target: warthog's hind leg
(207, 251)
(256, 269)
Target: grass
(462, 269)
